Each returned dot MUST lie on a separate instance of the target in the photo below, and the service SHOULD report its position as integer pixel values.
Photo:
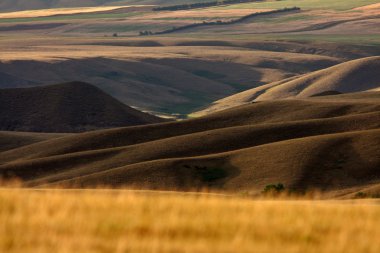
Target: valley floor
(135, 221)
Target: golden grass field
(61, 11)
(128, 221)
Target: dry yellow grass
(126, 221)
(351, 76)
(60, 11)
(369, 7)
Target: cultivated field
(125, 221)
(60, 11)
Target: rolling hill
(352, 76)
(160, 78)
(11, 140)
(13, 5)
(67, 107)
(241, 149)
(306, 111)
(16, 5)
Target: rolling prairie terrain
(189, 126)
(291, 85)
(230, 151)
(183, 71)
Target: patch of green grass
(283, 19)
(354, 39)
(338, 5)
(208, 74)
(196, 100)
(208, 174)
(211, 174)
(273, 189)
(365, 39)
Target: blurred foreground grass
(129, 221)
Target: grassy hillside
(15, 5)
(352, 76)
(159, 78)
(242, 149)
(283, 128)
(308, 4)
(69, 107)
(12, 140)
(124, 221)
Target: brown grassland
(329, 143)
(288, 98)
(129, 221)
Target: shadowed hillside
(167, 83)
(353, 76)
(11, 140)
(245, 148)
(68, 107)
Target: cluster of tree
(219, 22)
(145, 33)
(201, 5)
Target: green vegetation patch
(212, 174)
(363, 39)
(284, 19)
(274, 189)
(208, 174)
(338, 5)
(208, 74)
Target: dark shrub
(212, 174)
(274, 188)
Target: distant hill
(331, 143)
(352, 76)
(174, 85)
(17, 5)
(9, 81)
(68, 107)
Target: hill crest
(348, 77)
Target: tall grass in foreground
(126, 221)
